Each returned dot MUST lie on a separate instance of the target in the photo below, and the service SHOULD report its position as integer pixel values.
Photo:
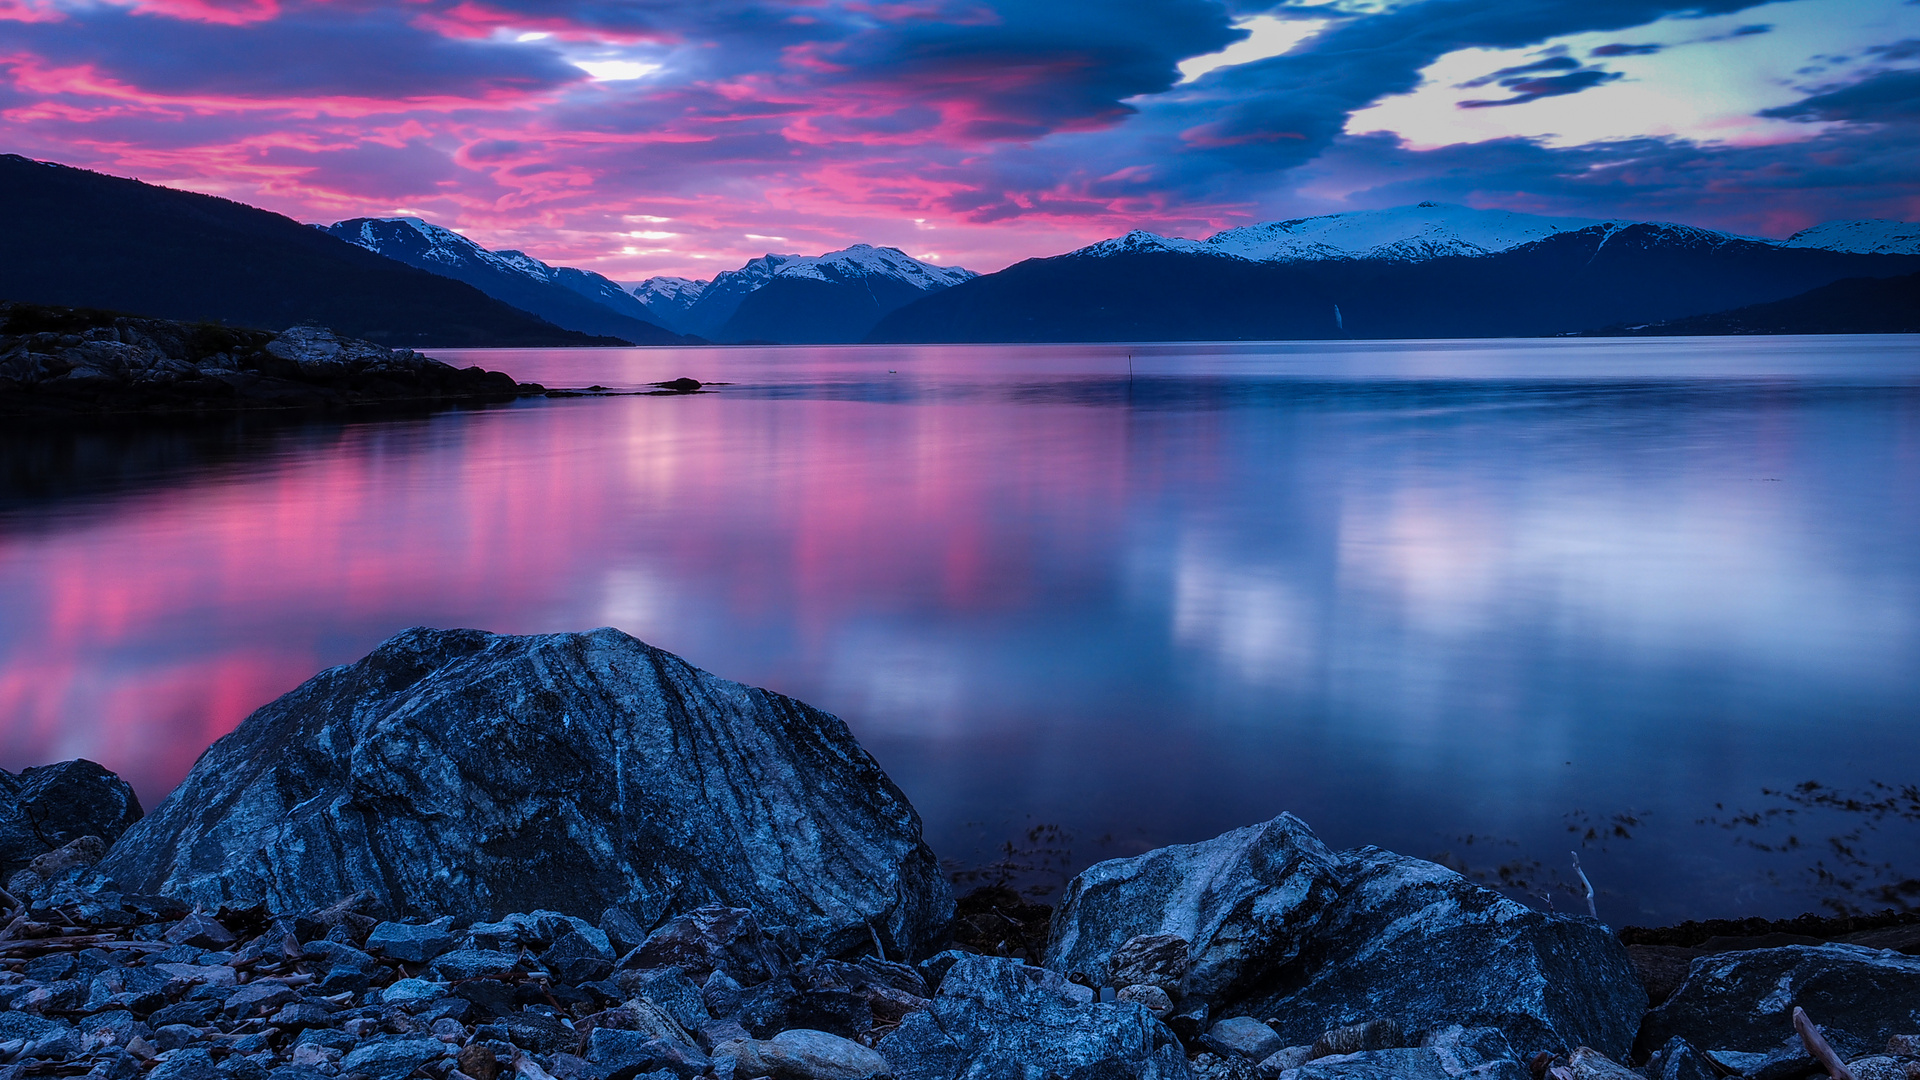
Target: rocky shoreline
(59, 363)
(472, 856)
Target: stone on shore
(1283, 929)
(1242, 902)
(45, 808)
(995, 1017)
(1744, 1000)
(457, 772)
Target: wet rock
(994, 1016)
(1242, 1036)
(411, 943)
(675, 995)
(260, 997)
(50, 806)
(434, 775)
(1744, 1000)
(201, 931)
(1417, 942)
(1245, 900)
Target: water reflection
(1407, 591)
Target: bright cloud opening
(616, 70)
(1269, 35)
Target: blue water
(1413, 592)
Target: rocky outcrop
(998, 1017)
(63, 362)
(1285, 931)
(1744, 1001)
(50, 806)
(1241, 903)
(472, 774)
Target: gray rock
(1242, 1036)
(1152, 960)
(626, 1054)
(411, 943)
(391, 1058)
(1678, 1060)
(1744, 1000)
(674, 994)
(1417, 942)
(404, 992)
(1244, 900)
(1878, 1067)
(1404, 1063)
(801, 1054)
(721, 995)
(1289, 1057)
(256, 997)
(996, 1017)
(28, 1027)
(1586, 1063)
(710, 939)
(576, 958)
(188, 1064)
(465, 773)
(1154, 998)
(1376, 1034)
(1210, 1066)
(474, 964)
(49, 806)
(1464, 1050)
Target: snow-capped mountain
(565, 296)
(1431, 230)
(1404, 233)
(668, 297)
(1876, 237)
(837, 296)
(1426, 271)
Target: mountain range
(1429, 270)
(84, 239)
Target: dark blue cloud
(1623, 49)
(1551, 63)
(1886, 97)
(1525, 90)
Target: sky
(643, 137)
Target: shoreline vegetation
(472, 856)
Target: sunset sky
(675, 136)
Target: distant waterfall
(1338, 322)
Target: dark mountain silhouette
(1603, 275)
(84, 239)
(1850, 306)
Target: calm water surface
(1412, 592)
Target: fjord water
(1414, 592)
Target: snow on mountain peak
(1404, 233)
(669, 293)
(1875, 237)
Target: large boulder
(996, 1017)
(1414, 942)
(1744, 1001)
(1243, 901)
(50, 806)
(472, 774)
(1311, 942)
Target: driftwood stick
(1591, 910)
(1817, 1046)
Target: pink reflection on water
(143, 627)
